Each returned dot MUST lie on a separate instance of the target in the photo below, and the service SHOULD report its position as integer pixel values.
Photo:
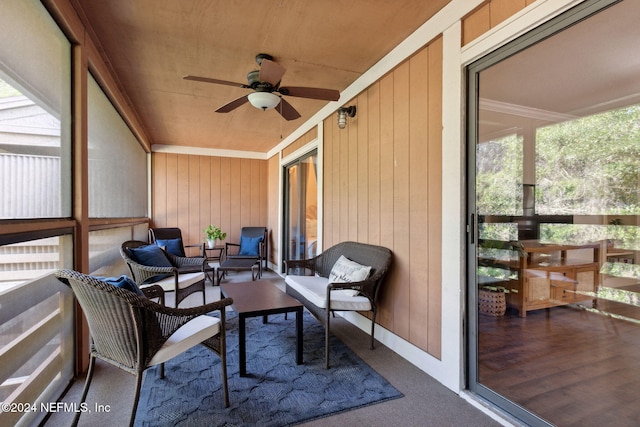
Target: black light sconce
(343, 112)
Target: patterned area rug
(275, 392)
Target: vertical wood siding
(488, 15)
(192, 192)
(300, 142)
(383, 186)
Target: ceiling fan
(267, 92)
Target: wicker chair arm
(179, 261)
(162, 321)
(366, 287)
(195, 245)
(189, 312)
(154, 291)
(169, 319)
(226, 248)
(142, 272)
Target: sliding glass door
(554, 202)
(301, 208)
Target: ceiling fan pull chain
(281, 121)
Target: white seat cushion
(188, 335)
(314, 289)
(184, 280)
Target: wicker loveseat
(320, 296)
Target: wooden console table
(548, 276)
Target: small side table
(212, 255)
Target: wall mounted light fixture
(343, 112)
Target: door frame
(304, 151)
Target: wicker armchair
(158, 235)
(134, 333)
(316, 292)
(169, 278)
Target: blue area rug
(275, 392)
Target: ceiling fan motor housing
(253, 77)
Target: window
(36, 311)
(117, 162)
(35, 114)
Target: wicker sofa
(321, 296)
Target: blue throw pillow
(250, 246)
(124, 282)
(173, 246)
(150, 255)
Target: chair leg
(136, 398)
(326, 340)
(85, 390)
(223, 360)
(373, 325)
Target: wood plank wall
(300, 142)
(488, 15)
(383, 186)
(191, 192)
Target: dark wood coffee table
(261, 298)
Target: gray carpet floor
(426, 402)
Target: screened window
(35, 114)
(36, 310)
(117, 162)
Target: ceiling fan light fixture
(264, 100)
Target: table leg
(299, 336)
(243, 346)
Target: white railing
(36, 348)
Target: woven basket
(492, 303)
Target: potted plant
(212, 234)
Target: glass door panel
(301, 208)
(555, 281)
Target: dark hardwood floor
(571, 365)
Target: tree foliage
(587, 166)
(590, 166)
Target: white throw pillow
(346, 271)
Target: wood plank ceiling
(150, 45)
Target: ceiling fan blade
(311, 93)
(271, 72)
(210, 80)
(233, 104)
(286, 110)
